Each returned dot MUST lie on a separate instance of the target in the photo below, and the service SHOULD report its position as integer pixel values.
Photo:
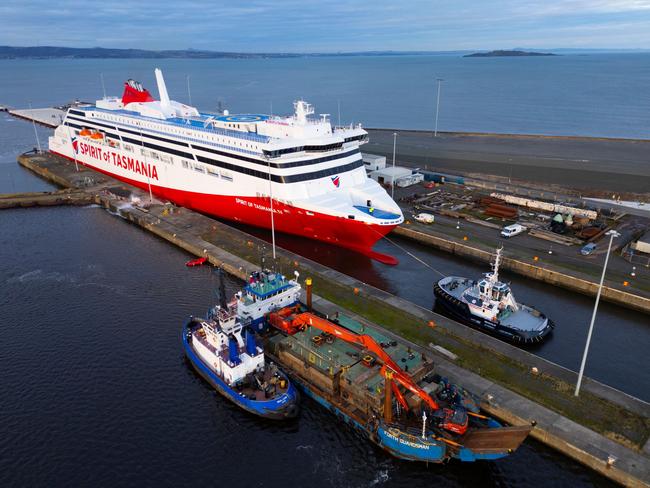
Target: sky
(327, 26)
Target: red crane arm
(400, 396)
(369, 343)
(410, 385)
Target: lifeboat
(196, 262)
(97, 135)
(85, 132)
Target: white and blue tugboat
(490, 306)
(225, 353)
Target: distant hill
(46, 52)
(497, 54)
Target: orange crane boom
(289, 323)
(367, 342)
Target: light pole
(611, 234)
(435, 132)
(392, 181)
(272, 216)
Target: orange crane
(284, 320)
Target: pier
(46, 199)
(48, 117)
(604, 428)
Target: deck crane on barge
(452, 419)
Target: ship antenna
(222, 290)
(497, 262)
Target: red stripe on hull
(340, 231)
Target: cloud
(304, 26)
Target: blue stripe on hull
(404, 446)
(284, 406)
(434, 453)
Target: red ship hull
(340, 231)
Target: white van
(512, 230)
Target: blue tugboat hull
(284, 406)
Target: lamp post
(271, 205)
(435, 132)
(611, 234)
(392, 181)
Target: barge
(385, 390)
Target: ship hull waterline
(350, 234)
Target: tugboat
(225, 353)
(490, 306)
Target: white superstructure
(232, 165)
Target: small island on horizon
(503, 53)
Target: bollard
(308, 283)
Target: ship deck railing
(194, 123)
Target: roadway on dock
(611, 165)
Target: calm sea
(594, 95)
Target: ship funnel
(233, 350)
(251, 346)
(162, 88)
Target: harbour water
(97, 387)
(96, 390)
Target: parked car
(512, 230)
(588, 249)
(424, 218)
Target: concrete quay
(46, 199)
(49, 117)
(603, 422)
(586, 163)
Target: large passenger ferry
(299, 169)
